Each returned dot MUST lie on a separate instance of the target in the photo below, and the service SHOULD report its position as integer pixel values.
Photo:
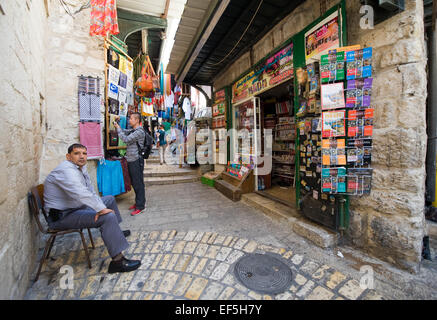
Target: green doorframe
(298, 41)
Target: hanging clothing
(110, 179)
(90, 137)
(186, 106)
(103, 18)
(126, 177)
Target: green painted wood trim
(142, 18)
(200, 30)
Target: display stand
(106, 45)
(233, 187)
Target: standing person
(162, 144)
(134, 140)
(72, 203)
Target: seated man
(71, 202)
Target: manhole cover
(263, 273)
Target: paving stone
(151, 284)
(227, 241)
(229, 280)
(226, 294)
(206, 237)
(190, 247)
(300, 279)
(212, 291)
(223, 253)
(335, 279)
(234, 256)
(139, 279)
(190, 235)
(288, 254)
(164, 235)
(182, 263)
(153, 235)
(212, 252)
(165, 261)
(285, 296)
(179, 246)
(91, 287)
(212, 238)
(201, 249)
(108, 283)
(124, 281)
(320, 273)
(157, 247)
(240, 243)
(156, 262)
(147, 261)
(320, 293)
(372, 295)
(220, 271)
(305, 289)
(255, 295)
(168, 282)
(250, 247)
(351, 290)
(198, 236)
(114, 296)
(209, 268)
(77, 288)
(297, 259)
(148, 296)
(240, 296)
(148, 247)
(199, 268)
(180, 235)
(182, 285)
(309, 267)
(158, 297)
(219, 240)
(172, 234)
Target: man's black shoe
(124, 265)
(126, 233)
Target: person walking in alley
(134, 140)
(162, 144)
(72, 203)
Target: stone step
(149, 181)
(172, 173)
(152, 160)
(317, 234)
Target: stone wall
(73, 52)
(44, 50)
(23, 127)
(389, 223)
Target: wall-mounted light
(384, 9)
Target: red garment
(103, 17)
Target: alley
(190, 237)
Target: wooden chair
(36, 205)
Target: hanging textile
(103, 18)
(168, 84)
(161, 80)
(110, 179)
(90, 137)
(126, 176)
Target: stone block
(404, 51)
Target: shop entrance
(276, 113)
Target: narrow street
(189, 239)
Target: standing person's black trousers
(136, 172)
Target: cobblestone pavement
(188, 240)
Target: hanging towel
(127, 181)
(103, 17)
(110, 179)
(90, 136)
(123, 122)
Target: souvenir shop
(155, 97)
(313, 94)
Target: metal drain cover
(263, 273)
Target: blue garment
(123, 122)
(110, 178)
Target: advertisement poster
(333, 124)
(275, 70)
(324, 36)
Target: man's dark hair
(76, 146)
(137, 115)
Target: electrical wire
(250, 23)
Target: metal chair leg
(43, 258)
(91, 238)
(85, 248)
(51, 246)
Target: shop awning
(223, 45)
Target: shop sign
(276, 69)
(324, 36)
(220, 96)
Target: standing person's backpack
(145, 151)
